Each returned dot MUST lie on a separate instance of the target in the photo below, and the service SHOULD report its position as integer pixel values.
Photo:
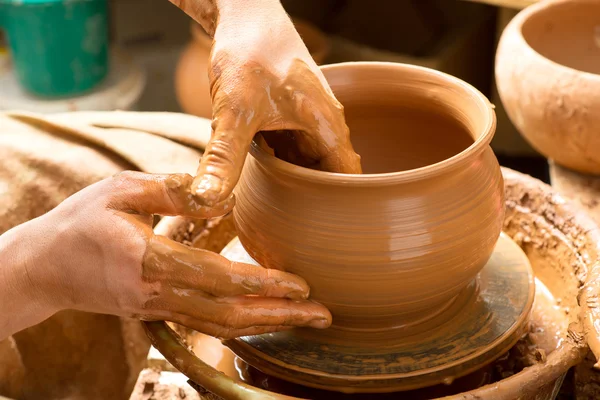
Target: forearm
(210, 13)
(23, 300)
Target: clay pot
(191, 77)
(394, 246)
(562, 244)
(547, 73)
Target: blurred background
(144, 55)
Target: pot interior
(567, 33)
(403, 117)
(394, 137)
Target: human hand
(264, 79)
(97, 252)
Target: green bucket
(59, 47)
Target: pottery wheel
(484, 321)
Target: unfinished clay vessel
(191, 77)
(547, 74)
(394, 246)
(560, 241)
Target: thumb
(221, 163)
(160, 194)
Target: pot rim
(479, 144)
(537, 8)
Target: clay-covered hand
(264, 79)
(97, 252)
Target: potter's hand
(264, 79)
(97, 252)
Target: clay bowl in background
(548, 78)
(191, 76)
(394, 246)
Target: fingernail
(320, 323)
(208, 189)
(297, 295)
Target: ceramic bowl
(547, 74)
(394, 246)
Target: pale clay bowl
(390, 249)
(547, 74)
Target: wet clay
(207, 292)
(193, 287)
(392, 139)
(264, 80)
(547, 67)
(316, 127)
(546, 331)
(562, 246)
(481, 323)
(407, 241)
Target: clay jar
(547, 73)
(191, 76)
(394, 246)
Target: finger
(189, 268)
(336, 152)
(242, 311)
(223, 158)
(161, 194)
(341, 159)
(222, 332)
(321, 117)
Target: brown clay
(547, 327)
(215, 288)
(292, 100)
(191, 76)
(407, 239)
(547, 74)
(562, 246)
(482, 322)
(218, 287)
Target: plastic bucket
(59, 47)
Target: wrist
(25, 298)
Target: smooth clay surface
(562, 246)
(485, 320)
(547, 68)
(391, 249)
